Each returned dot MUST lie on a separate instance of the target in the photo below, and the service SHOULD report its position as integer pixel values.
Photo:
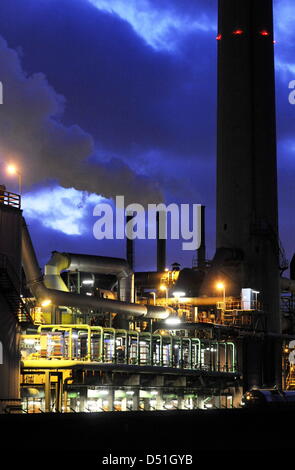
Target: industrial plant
(89, 333)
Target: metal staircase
(290, 382)
(9, 290)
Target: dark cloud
(118, 88)
(33, 136)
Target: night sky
(111, 97)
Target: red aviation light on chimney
(219, 37)
(264, 32)
(238, 32)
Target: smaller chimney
(129, 241)
(161, 240)
(201, 252)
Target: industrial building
(87, 333)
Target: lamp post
(154, 295)
(256, 293)
(164, 288)
(12, 170)
(221, 286)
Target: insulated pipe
(90, 264)
(129, 240)
(57, 263)
(68, 299)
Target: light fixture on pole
(164, 288)
(256, 293)
(221, 286)
(154, 295)
(12, 170)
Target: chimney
(201, 252)
(161, 240)
(129, 240)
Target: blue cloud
(159, 25)
(63, 210)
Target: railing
(107, 345)
(10, 199)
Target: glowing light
(46, 303)
(11, 170)
(163, 287)
(219, 37)
(29, 341)
(220, 286)
(172, 321)
(88, 282)
(179, 294)
(238, 32)
(264, 32)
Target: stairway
(290, 381)
(10, 292)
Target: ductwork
(67, 299)
(90, 264)
(52, 279)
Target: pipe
(68, 299)
(129, 240)
(90, 264)
(201, 252)
(57, 263)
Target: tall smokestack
(161, 240)
(129, 241)
(247, 209)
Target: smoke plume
(33, 136)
